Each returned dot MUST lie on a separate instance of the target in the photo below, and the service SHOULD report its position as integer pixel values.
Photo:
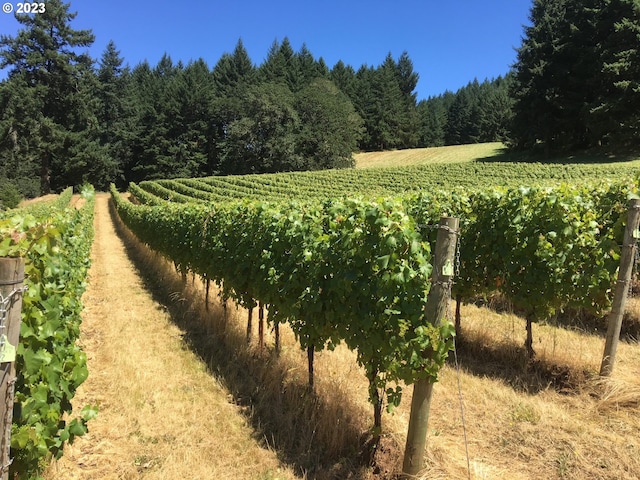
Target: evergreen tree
(175, 124)
(534, 90)
(463, 117)
(379, 102)
(47, 100)
(233, 70)
(330, 126)
(19, 155)
(364, 102)
(387, 114)
(617, 112)
(574, 67)
(263, 140)
(494, 110)
(385, 99)
(407, 78)
(114, 114)
(191, 149)
(344, 77)
(281, 65)
(308, 69)
(232, 76)
(322, 68)
(433, 113)
(409, 128)
(161, 130)
(144, 93)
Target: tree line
(67, 119)
(577, 76)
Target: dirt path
(162, 414)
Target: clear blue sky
(450, 42)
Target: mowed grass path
(422, 156)
(161, 412)
(492, 152)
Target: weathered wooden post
(207, 288)
(249, 324)
(435, 311)
(11, 280)
(627, 258)
(310, 357)
(260, 325)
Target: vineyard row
(378, 181)
(357, 271)
(55, 241)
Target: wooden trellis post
(627, 259)
(435, 311)
(11, 280)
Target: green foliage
(554, 249)
(575, 77)
(114, 114)
(340, 270)
(9, 195)
(543, 248)
(375, 182)
(477, 112)
(56, 243)
(263, 139)
(48, 106)
(330, 127)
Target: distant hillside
(420, 156)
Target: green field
(441, 168)
(480, 152)
(422, 156)
(342, 256)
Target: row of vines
(351, 271)
(358, 270)
(376, 181)
(55, 240)
(544, 249)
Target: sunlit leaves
(357, 270)
(55, 242)
(344, 270)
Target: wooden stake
(310, 352)
(249, 324)
(260, 325)
(11, 279)
(458, 319)
(435, 312)
(206, 294)
(627, 259)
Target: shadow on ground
(509, 363)
(592, 156)
(315, 434)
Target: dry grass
(243, 412)
(42, 198)
(162, 413)
(550, 419)
(483, 152)
(319, 434)
(420, 156)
